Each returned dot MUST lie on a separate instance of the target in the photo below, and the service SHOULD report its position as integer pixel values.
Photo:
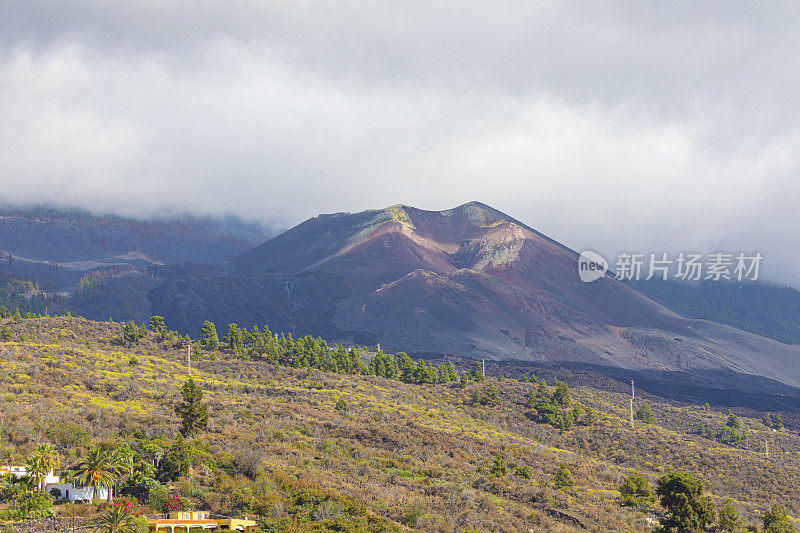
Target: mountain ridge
(468, 281)
(473, 281)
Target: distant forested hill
(766, 309)
(57, 260)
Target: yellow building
(185, 521)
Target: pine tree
(156, 324)
(408, 368)
(476, 374)
(234, 338)
(192, 410)
(565, 423)
(590, 417)
(542, 390)
(561, 395)
(208, 336)
(491, 395)
(576, 412)
(475, 398)
(729, 519)
(130, 333)
(176, 461)
(681, 494)
(776, 521)
(447, 373)
(547, 412)
(733, 421)
(532, 398)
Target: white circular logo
(591, 266)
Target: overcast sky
(651, 126)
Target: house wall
(21, 471)
(72, 493)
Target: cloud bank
(637, 126)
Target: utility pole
(631, 402)
(483, 367)
(766, 448)
(189, 359)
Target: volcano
(474, 282)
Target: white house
(71, 493)
(22, 471)
(68, 491)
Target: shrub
(523, 472)
(730, 437)
(341, 406)
(563, 478)
(248, 462)
(645, 413)
(34, 504)
(66, 434)
(412, 515)
(488, 396)
(174, 503)
(636, 491)
(499, 468)
(158, 498)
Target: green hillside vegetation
(308, 437)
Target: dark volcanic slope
(374, 248)
(473, 281)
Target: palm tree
(49, 455)
(35, 470)
(96, 469)
(117, 520)
(43, 461)
(121, 463)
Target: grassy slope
(401, 449)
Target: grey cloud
(640, 125)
